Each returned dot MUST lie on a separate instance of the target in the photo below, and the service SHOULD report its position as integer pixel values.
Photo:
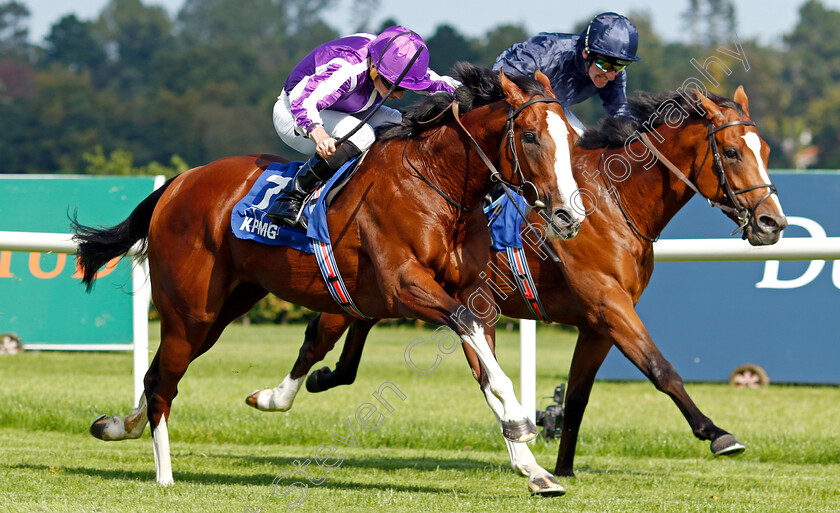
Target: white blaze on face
(754, 143)
(559, 131)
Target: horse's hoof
(312, 384)
(546, 486)
(264, 400)
(727, 445)
(97, 427)
(519, 430)
(251, 400)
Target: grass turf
(438, 450)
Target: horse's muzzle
(562, 224)
(765, 229)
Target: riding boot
(288, 204)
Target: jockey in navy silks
(580, 65)
(332, 89)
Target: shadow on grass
(284, 465)
(424, 464)
(586, 469)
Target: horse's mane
(479, 86)
(613, 132)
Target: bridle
(742, 213)
(495, 175)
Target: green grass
(439, 450)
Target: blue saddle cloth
(506, 222)
(248, 220)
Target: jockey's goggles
(387, 83)
(606, 66)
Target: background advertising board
(41, 297)
(708, 318)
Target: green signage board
(41, 297)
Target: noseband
(738, 210)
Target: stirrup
(285, 211)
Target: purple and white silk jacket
(335, 76)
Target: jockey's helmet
(612, 35)
(391, 52)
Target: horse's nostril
(768, 221)
(564, 215)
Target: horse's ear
(542, 79)
(711, 108)
(742, 100)
(514, 95)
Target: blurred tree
(770, 98)
(448, 46)
(132, 34)
(363, 11)
(814, 53)
(212, 21)
(645, 75)
(710, 21)
(68, 120)
(13, 30)
(17, 56)
(497, 40)
(17, 79)
(259, 28)
(18, 146)
(387, 22)
(811, 72)
(202, 86)
(71, 42)
(121, 163)
(304, 14)
(822, 120)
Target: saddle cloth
(248, 220)
(505, 222)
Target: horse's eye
(529, 137)
(730, 153)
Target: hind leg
(183, 339)
(132, 426)
(116, 428)
(318, 341)
(348, 363)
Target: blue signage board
(708, 318)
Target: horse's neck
(463, 175)
(652, 197)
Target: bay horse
(408, 235)
(697, 144)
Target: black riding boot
(286, 208)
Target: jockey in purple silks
(332, 89)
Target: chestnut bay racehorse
(408, 235)
(595, 280)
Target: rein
(739, 211)
(495, 175)
(614, 192)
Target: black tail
(98, 246)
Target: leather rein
(495, 175)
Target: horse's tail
(97, 246)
